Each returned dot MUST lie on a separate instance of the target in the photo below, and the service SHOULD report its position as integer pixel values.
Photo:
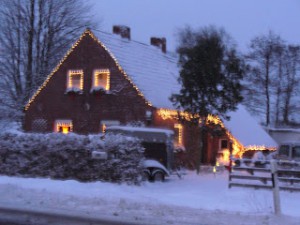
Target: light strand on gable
(119, 67)
(54, 71)
(237, 147)
(69, 52)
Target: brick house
(108, 79)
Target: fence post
(275, 186)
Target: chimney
(159, 42)
(123, 31)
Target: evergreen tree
(210, 73)
(210, 76)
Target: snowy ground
(196, 199)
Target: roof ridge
(116, 36)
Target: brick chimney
(159, 42)
(123, 31)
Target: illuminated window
(75, 80)
(101, 79)
(108, 123)
(63, 126)
(178, 135)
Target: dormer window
(63, 126)
(101, 80)
(75, 80)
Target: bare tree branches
(35, 34)
(272, 80)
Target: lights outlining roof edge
(119, 67)
(237, 147)
(86, 32)
(54, 71)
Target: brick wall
(86, 110)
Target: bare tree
(272, 81)
(291, 82)
(262, 60)
(280, 56)
(35, 34)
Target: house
(108, 79)
(284, 134)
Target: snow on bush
(70, 156)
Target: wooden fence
(257, 174)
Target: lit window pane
(75, 79)
(63, 126)
(102, 79)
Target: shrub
(69, 156)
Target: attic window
(75, 80)
(63, 126)
(101, 80)
(178, 136)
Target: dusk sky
(242, 19)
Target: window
(39, 125)
(283, 150)
(108, 123)
(63, 126)
(296, 152)
(224, 144)
(178, 135)
(101, 79)
(75, 80)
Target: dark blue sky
(242, 19)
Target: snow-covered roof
(142, 129)
(247, 130)
(155, 73)
(143, 133)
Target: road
(19, 216)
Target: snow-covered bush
(70, 156)
(125, 154)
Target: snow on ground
(195, 199)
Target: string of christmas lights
(237, 148)
(87, 32)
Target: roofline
(86, 32)
(119, 67)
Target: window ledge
(73, 90)
(99, 90)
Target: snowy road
(22, 216)
(203, 199)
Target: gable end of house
(62, 61)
